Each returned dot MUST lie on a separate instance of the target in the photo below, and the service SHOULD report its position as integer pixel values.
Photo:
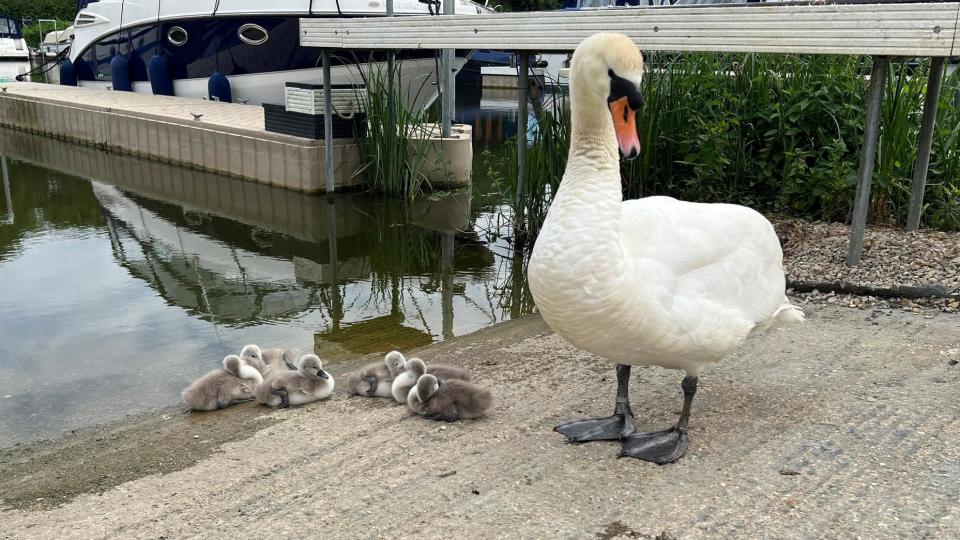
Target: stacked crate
(301, 114)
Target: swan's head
(310, 367)
(426, 387)
(395, 362)
(417, 367)
(251, 354)
(607, 70)
(232, 364)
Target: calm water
(121, 280)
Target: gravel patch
(815, 252)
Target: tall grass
(779, 133)
(393, 150)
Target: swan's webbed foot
(372, 386)
(660, 447)
(235, 402)
(668, 445)
(610, 428)
(283, 395)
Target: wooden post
(523, 87)
(931, 100)
(327, 122)
(878, 79)
(446, 80)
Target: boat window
(177, 36)
(8, 28)
(252, 34)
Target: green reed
(393, 150)
(779, 133)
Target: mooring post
(327, 121)
(446, 80)
(878, 78)
(523, 87)
(920, 168)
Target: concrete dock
(227, 138)
(843, 427)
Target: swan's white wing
(713, 260)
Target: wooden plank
(916, 29)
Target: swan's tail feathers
(786, 314)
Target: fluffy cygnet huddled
(284, 387)
(376, 380)
(267, 359)
(222, 387)
(448, 400)
(415, 368)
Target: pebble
(892, 257)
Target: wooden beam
(915, 29)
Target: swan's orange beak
(625, 124)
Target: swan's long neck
(590, 196)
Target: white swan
(653, 281)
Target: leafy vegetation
(46, 9)
(392, 149)
(779, 133)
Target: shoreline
(840, 423)
(164, 440)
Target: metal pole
(523, 86)
(932, 99)
(336, 308)
(6, 191)
(878, 78)
(327, 122)
(446, 80)
(391, 60)
(446, 284)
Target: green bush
(34, 33)
(63, 10)
(39, 9)
(779, 133)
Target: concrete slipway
(846, 426)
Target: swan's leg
(610, 428)
(665, 446)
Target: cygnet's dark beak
(323, 374)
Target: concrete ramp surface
(846, 426)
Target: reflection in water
(119, 290)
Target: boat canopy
(9, 28)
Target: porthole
(177, 36)
(252, 34)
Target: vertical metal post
(446, 283)
(6, 191)
(336, 308)
(327, 122)
(391, 62)
(523, 86)
(446, 80)
(878, 79)
(932, 99)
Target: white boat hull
(418, 81)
